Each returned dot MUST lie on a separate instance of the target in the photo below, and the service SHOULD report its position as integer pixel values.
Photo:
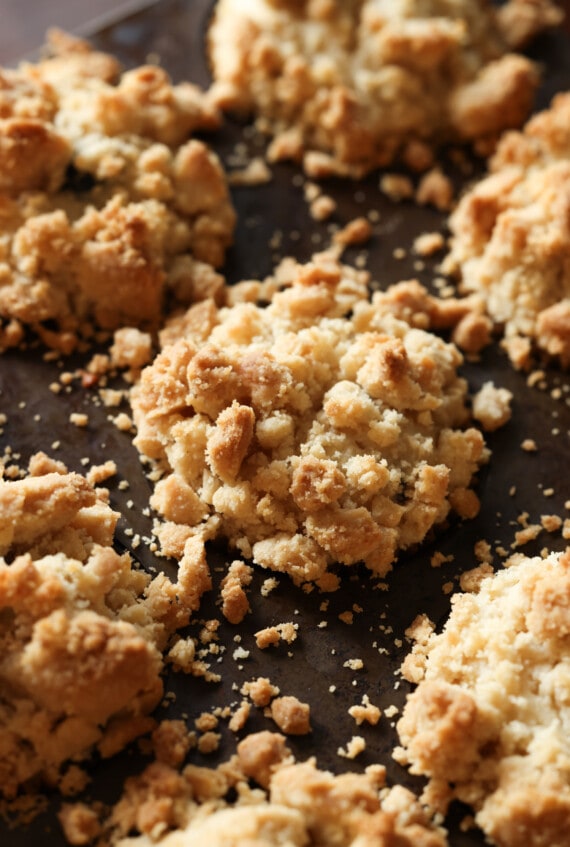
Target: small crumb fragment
(529, 445)
(171, 741)
(131, 348)
(291, 715)
(491, 406)
(260, 691)
(206, 722)
(435, 189)
(273, 634)
(354, 664)
(322, 207)
(239, 718)
(256, 172)
(354, 748)
(99, 473)
(80, 823)
(397, 187)
(209, 742)
(429, 243)
(79, 419)
(357, 231)
(235, 604)
(471, 580)
(551, 523)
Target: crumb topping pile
(494, 686)
(81, 631)
(307, 436)
(105, 205)
(510, 236)
(350, 86)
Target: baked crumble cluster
(279, 801)
(488, 722)
(106, 207)
(347, 87)
(81, 631)
(320, 428)
(510, 237)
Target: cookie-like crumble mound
(510, 237)
(350, 86)
(81, 631)
(106, 206)
(488, 722)
(276, 801)
(320, 428)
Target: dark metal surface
(514, 481)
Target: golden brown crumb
(239, 718)
(429, 243)
(274, 634)
(491, 406)
(209, 742)
(235, 604)
(80, 823)
(260, 691)
(171, 742)
(435, 189)
(279, 399)
(322, 207)
(155, 209)
(291, 715)
(355, 746)
(255, 172)
(366, 712)
(397, 186)
(79, 419)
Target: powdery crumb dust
(487, 723)
(321, 428)
(348, 87)
(108, 209)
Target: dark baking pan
(172, 32)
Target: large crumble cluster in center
(349, 86)
(305, 436)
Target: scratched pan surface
(513, 482)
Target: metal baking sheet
(172, 32)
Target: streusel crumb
(108, 206)
(348, 87)
(306, 436)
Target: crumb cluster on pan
(488, 722)
(82, 631)
(106, 206)
(278, 801)
(320, 428)
(350, 86)
(510, 236)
